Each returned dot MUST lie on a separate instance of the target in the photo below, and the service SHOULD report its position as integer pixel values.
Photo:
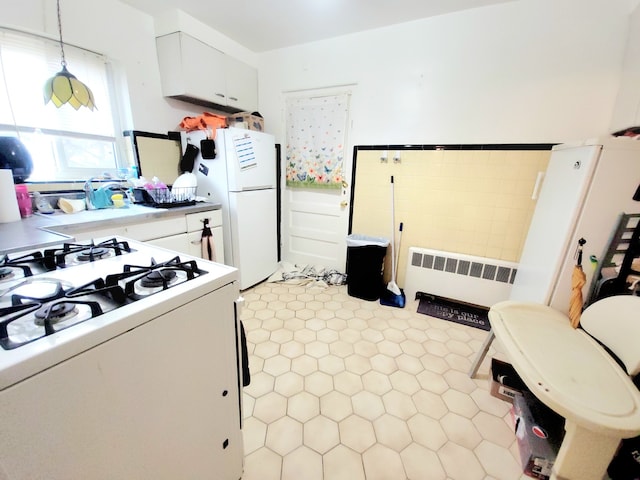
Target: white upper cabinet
(242, 85)
(195, 72)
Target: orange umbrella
(578, 279)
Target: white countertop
(41, 230)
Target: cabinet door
(146, 231)
(177, 243)
(156, 229)
(99, 235)
(242, 85)
(195, 221)
(191, 68)
(195, 244)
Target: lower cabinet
(180, 233)
(179, 243)
(143, 231)
(190, 242)
(196, 249)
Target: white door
(315, 222)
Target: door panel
(314, 227)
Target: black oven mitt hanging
(188, 160)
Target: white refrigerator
(242, 178)
(585, 190)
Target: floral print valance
(316, 129)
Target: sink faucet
(100, 197)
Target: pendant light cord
(64, 61)
(6, 89)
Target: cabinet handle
(233, 98)
(221, 95)
(196, 242)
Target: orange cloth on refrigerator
(206, 121)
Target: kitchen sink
(102, 214)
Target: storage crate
(505, 383)
(539, 433)
(246, 120)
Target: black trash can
(365, 260)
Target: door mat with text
(453, 311)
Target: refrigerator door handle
(536, 187)
(257, 187)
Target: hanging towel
(206, 242)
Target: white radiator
(477, 280)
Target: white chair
(615, 322)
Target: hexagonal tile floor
(344, 388)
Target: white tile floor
(343, 388)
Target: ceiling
(262, 25)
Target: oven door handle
(239, 305)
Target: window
(64, 143)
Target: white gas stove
(71, 314)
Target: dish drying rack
(165, 197)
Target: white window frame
(51, 148)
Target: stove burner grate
(38, 290)
(158, 278)
(58, 257)
(60, 306)
(19, 312)
(140, 281)
(26, 263)
(93, 253)
(55, 313)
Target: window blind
(26, 62)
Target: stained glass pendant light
(64, 87)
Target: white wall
(121, 33)
(627, 108)
(524, 71)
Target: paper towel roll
(9, 211)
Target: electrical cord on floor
(330, 277)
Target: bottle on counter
(24, 200)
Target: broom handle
(398, 246)
(393, 233)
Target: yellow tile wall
(476, 202)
